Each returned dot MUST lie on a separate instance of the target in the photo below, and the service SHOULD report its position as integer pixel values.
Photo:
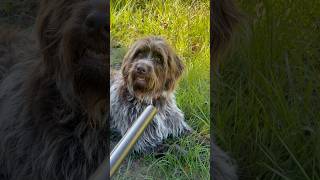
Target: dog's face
(151, 67)
(74, 43)
(73, 39)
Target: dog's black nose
(141, 69)
(96, 22)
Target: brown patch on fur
(164, 68)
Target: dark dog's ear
(225, 16)
(179, 66)
(176, 69)
(126, 62)
(125, 69)
(129, 56)
(46, 30)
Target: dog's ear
(125, 68)
(176, 69)
(179, 66)
(125, 62)
(128, 57)
(225, 17)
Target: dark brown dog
(53, 97)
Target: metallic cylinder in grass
(124, 146)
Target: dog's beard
(144, 86)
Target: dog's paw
(160, 150)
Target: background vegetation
(185, 24)
(269, 98)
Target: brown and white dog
(149, 75)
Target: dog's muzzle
(141, 74)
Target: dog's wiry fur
(132, 90)
(224, 18)
(53, 101)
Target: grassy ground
(185, 24)
(269, 98)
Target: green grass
(185, 25)
(268, 91)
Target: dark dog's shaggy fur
(224, 17)
(149, 75)
(53, 101)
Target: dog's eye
(139, 54)
(158, 59)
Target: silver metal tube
(124, 146)
(132, 135)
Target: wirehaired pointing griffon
(149, 74)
